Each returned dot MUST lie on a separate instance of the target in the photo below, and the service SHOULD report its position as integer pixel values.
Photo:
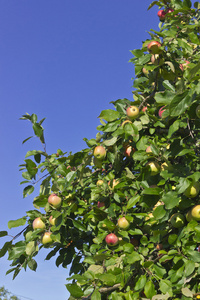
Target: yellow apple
(193, 190)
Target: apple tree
(123, 214)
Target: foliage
(5, 295)
(155, 258)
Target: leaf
(152, 4)
(168, 86)
(24, 141)
(110, 142)
(140, 283)
(164, 98)
(133, 257)
(170, 199)
(108, 279)
(3, 233)
(189, 267)
(96, 295)
(34, 152)
(79, 225)
(179, 104)
(159, 212)
(74, 290)
(16, 223)
(32, 264)
(152, 191)
(109, 115)
(173, 128)
(165, 286)
(5, 248)
(186, 292)
(28, 190)
(38, 130)
(149, 289)
(132, 201)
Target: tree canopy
(123, 214)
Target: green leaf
(5, 248)
(110, 142)
(149, 289)
(3, 233)
(109, 115)
(79, 225)
(140, 283)
(32, 264)
(133, 257)
(172, 239)
(16, 223)
(173, 128)
(186, 292)
(159, 271)
(170, 199)
(159, 212)
(28, 190)
(74, 290)
(165, 286)
(108, 279)
(34, 152)
(24, 141)
(168, 86)
(132, 202)
(164, 98)
(38, 130)
(152, 191)
(96, 295)
(189, 267)
(179, 104)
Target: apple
(148, 149)
(111, 239)
(54, 200)
(123, 223)
(189, 216)
(158, 204)
(159, 247)
(177, 220)
(99, 182)
(161, 14)
(46, 239)
(198, 111)
(165, 166)
(100, 204)
(144, 108)
(52, 220)
(169, 10)
(125, 122)
(195, 212)
(38, 224)
(128, 150)
(154, 47)
(154, 167)
(184, 66)
(132, 112)
(99, 152)
(145, 72)
(193, 190)
(160, 112)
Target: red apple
(54, 200)
(169, 10)
(184, 66)
(123, 223)
(144, 109)
(99, 152)
(100, 204)
(128, 150)
(154, 47)
(46, 239)
(38, 224)
(161, 14)
(132, 112)
(160, 112)
(111, 239)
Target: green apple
(52, 220)
(132, 112)
(198, 111)
(46, 238)
(189, 216)
(193, 190)
(177, 220)
(154, 47)
(123, 223)
(195, 212)
(54, 200)
(99, 152)
(99, 182)
(38, 224)
(154, 167)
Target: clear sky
(64, 60)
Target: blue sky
(64, 60)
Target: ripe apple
(169, 10)
(100, 204)
(198, 111)
(123, 223)
(145, 72)
(111, 239)
(195, 212)
(154, 167)
(128, 150)
(177, 220)
(99, 182)
(144, 108)
(52, 220)
(132, 112)
(38, 224)
(193, 190)
(54, 200)
(160, 112)
(161, 14)
(148, 149)
(154, 47)
(46, 239)
(99, 152)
